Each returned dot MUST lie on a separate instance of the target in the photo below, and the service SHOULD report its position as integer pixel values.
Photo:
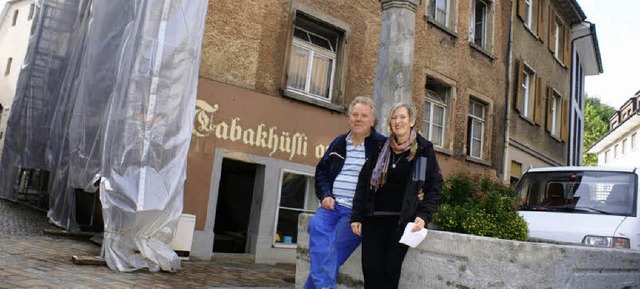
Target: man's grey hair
(363, 100)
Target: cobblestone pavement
(31, 259)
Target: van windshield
(582, 192)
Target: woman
(385, 199)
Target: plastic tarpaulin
(105, 102)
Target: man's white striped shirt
(344, 186)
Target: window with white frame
(531, 13)
(528, 11)
(607, 156)
(615, 151)
(434, 116)
(313, 58)
(528, 92)
(297, 195)
(556, 113)
(442, 12)
(624, 146)
(480, 29)
(475, 128)
(633, 141)
(559, 38)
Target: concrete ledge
(450, 260)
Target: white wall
(630, 157)
(13, 44)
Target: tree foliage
(596, 126)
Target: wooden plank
(88, 260)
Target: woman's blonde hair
(410, 108)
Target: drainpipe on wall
(507, 114)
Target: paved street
(31, 259)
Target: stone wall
(450, 260)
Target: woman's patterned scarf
(379, 176)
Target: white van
(595, 206)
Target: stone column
(394, 69)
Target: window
(624, 146)
(475, 129)
(527, 13)
(528, 99)
(555, 111)
(530, 11)
(557, 36)
(607, 156)
(7, 70)
(480, 29)
(15, 17)
(557, 115)
(442, 12)
(313, 57)
(31, 11)
(615, 151)
(297, 195)
(435, 111)
(516, 173)
(559, 39)
(633, 141)
(528, 91)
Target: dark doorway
(233, 210)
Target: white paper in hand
(413, 239)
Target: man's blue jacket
(331, 163)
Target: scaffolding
(103, 111)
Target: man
(331, 241)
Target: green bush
(478, 205)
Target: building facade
(275, 79)
(546, 84)
(586, 61)
(15, 28)
(619, 147)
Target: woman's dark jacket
(364, 200)
(333, 160)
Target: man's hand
(420, 195)
(328, 203)
(356, 228)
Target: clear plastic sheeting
(105, 103)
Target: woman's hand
(356, 228)
(419, 225)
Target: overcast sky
(619, 39)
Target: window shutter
(552, 30)
(567, 47)
(541, 19)
(549, 100)
(537, 110)
(518, 100)
(521, 9)
(564, 130)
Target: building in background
(15, 28)
(275, 79)
(586, 62)
(619, 147)
(547, 83)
